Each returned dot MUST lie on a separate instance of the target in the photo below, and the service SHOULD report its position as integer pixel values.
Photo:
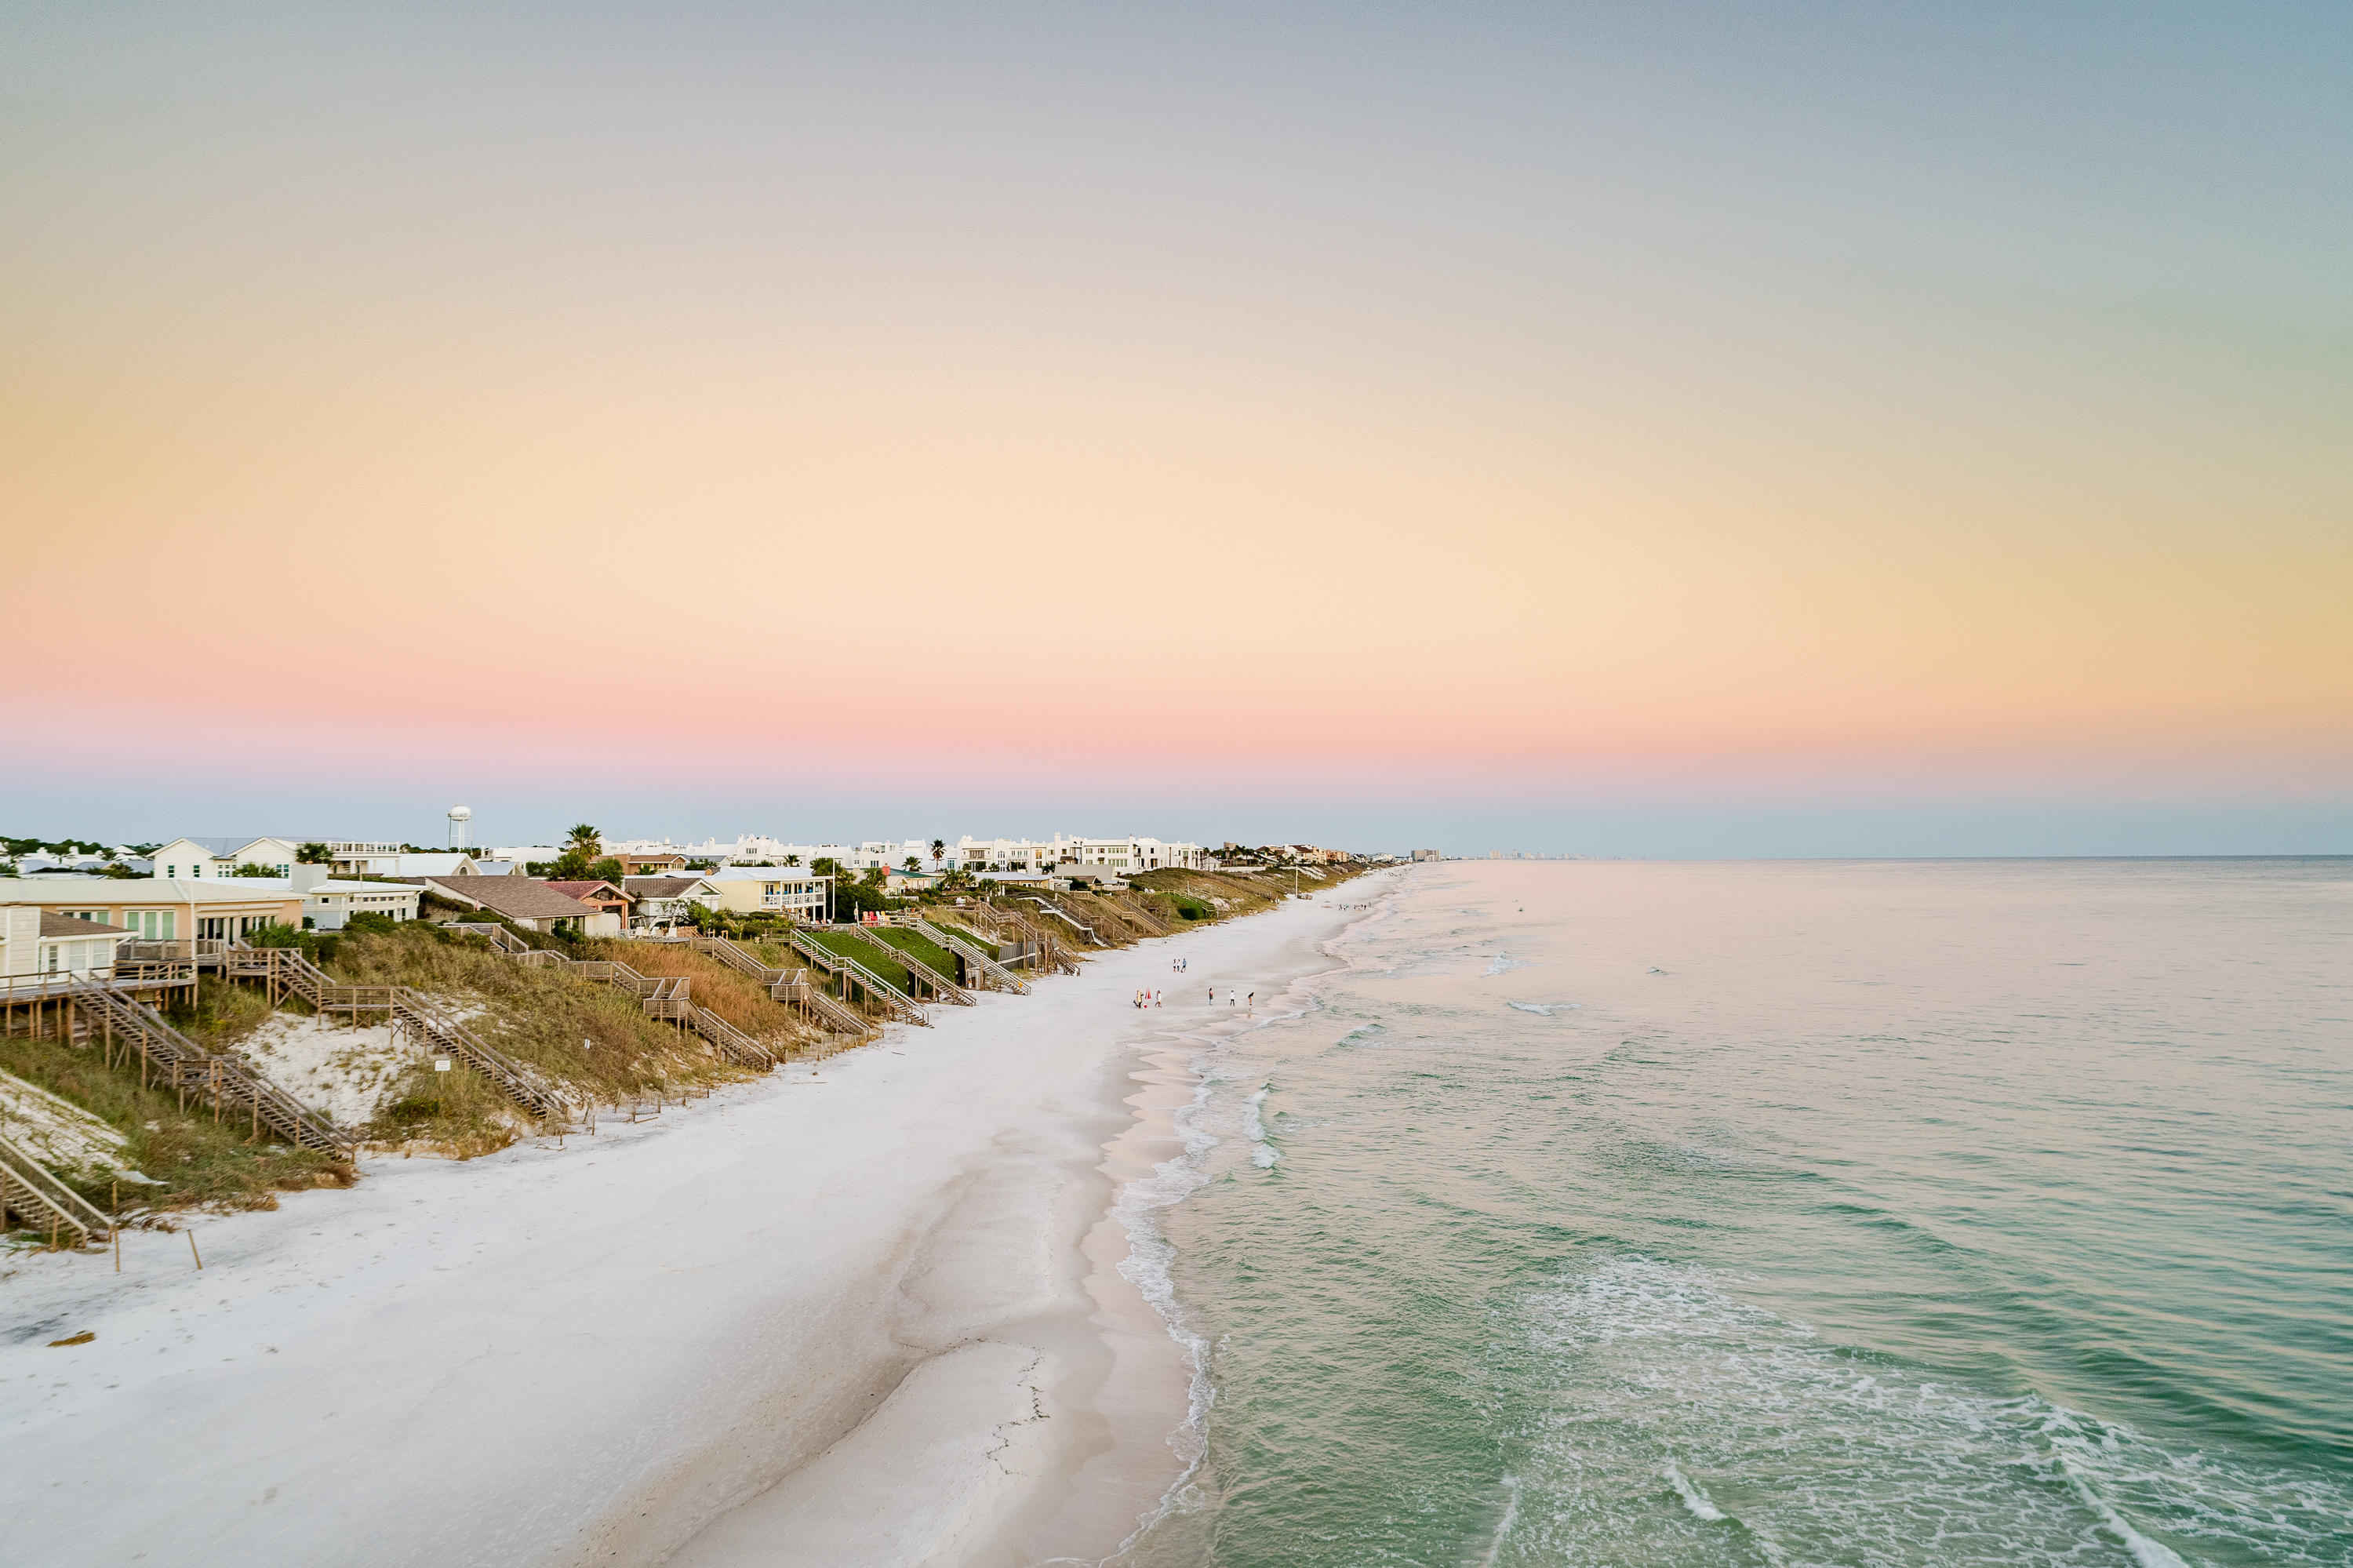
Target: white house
(1129, 854)
(1009, 854)
(327, 904)
(454, 863)
(193, 860)
(796, 891)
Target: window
(171, 871)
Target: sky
(1645, 429)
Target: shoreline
(871, 1312)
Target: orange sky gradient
(448, 411)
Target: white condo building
(1133, 852)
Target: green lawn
(865, 952)
(929, 954)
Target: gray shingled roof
(658, 886)
(516, 897)
(74, 926)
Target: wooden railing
(126, 1023)
(990, 971)
(942, 987)
(878, 990)
(1067, 918)
(286, 970)
(791, 986)
(29, 1192)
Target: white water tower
(459, 817)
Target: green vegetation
(929, 954)
(220, 1014)
(582, 851)
(866, 953)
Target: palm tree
(914, 865)
(939, 852)
(792, 860)
(586, 841)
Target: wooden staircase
(285, 970)
(1136, 912)
(996, 922)
(42, 1202)
(1109, 918)
(991, 972)
(126, 1025)
(664, 996)
(791, 987)
(1067, 918)
(942, 988)
(847, 971)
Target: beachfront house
(602, 896)
(164, 909)
(328, 903)
(1132, 853)
(38, 941)
(525, 900)
(793, 891)
(660, 905)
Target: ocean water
(1903, 1212)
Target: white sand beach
(865, 1314)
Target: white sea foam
(1150, 1255)
(1546, 1007)
(1654, 1356)
(2147, 1552)
(1263, 1155)
(1694, 1499)
(1502, 963)
(1504, 1525)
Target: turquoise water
(1911, 1212)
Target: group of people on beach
(1147, 999)
(1247, 1003)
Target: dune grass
(729, 992)
(590, 1038)
(200, 1160)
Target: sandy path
(842, 1318)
